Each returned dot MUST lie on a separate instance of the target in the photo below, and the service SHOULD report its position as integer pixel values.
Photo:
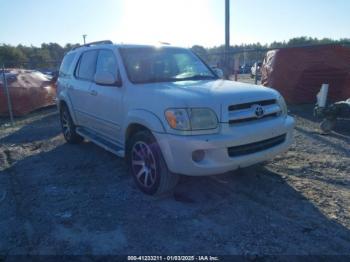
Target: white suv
(167, 112)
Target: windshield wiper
(197, 77)
(173, 79)
(156, 80)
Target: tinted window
(106, 62)
(87, 66)
(66, 64)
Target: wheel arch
(64, 101)
(139, 120)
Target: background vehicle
(29, 90)
(256, 69)
(245, 69)
(167, 113)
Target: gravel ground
(57, 198)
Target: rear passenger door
(65, 73)
(107, 99)
(79, 89)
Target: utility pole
(84, 37)
(227, 38)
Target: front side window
(150, 64)
(87, 65)
(106, 62)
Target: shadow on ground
(38, 130)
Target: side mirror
(219, 72)
(106, 78)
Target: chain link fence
(243, 65)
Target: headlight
(191, 119)
(282, 105)
(178, 119)
(203, 118)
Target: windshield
(151, 64)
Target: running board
(105, 144)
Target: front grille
(255, 147)
(251, 119)
(248, 105)
(246, 112)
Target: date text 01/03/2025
(173, 258)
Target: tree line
(49, 56)
(250, 53)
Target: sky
(179, 22)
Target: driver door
(106, 100)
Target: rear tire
(68, 127)
(147, 165)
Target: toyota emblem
(259, 111)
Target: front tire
(147, 165)
(68, 127)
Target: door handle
(93, 93)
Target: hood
(217, 95)
(219, 92)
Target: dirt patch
(57, 198)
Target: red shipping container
(298, 73)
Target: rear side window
(66, 64)
(87, 65)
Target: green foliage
(250, 53)
(48, 56)
(11, 56)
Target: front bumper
(177, 150)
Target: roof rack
(104, 42)
(164, 43)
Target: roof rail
(104, 42)
(164, 43)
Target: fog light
(198, 155)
